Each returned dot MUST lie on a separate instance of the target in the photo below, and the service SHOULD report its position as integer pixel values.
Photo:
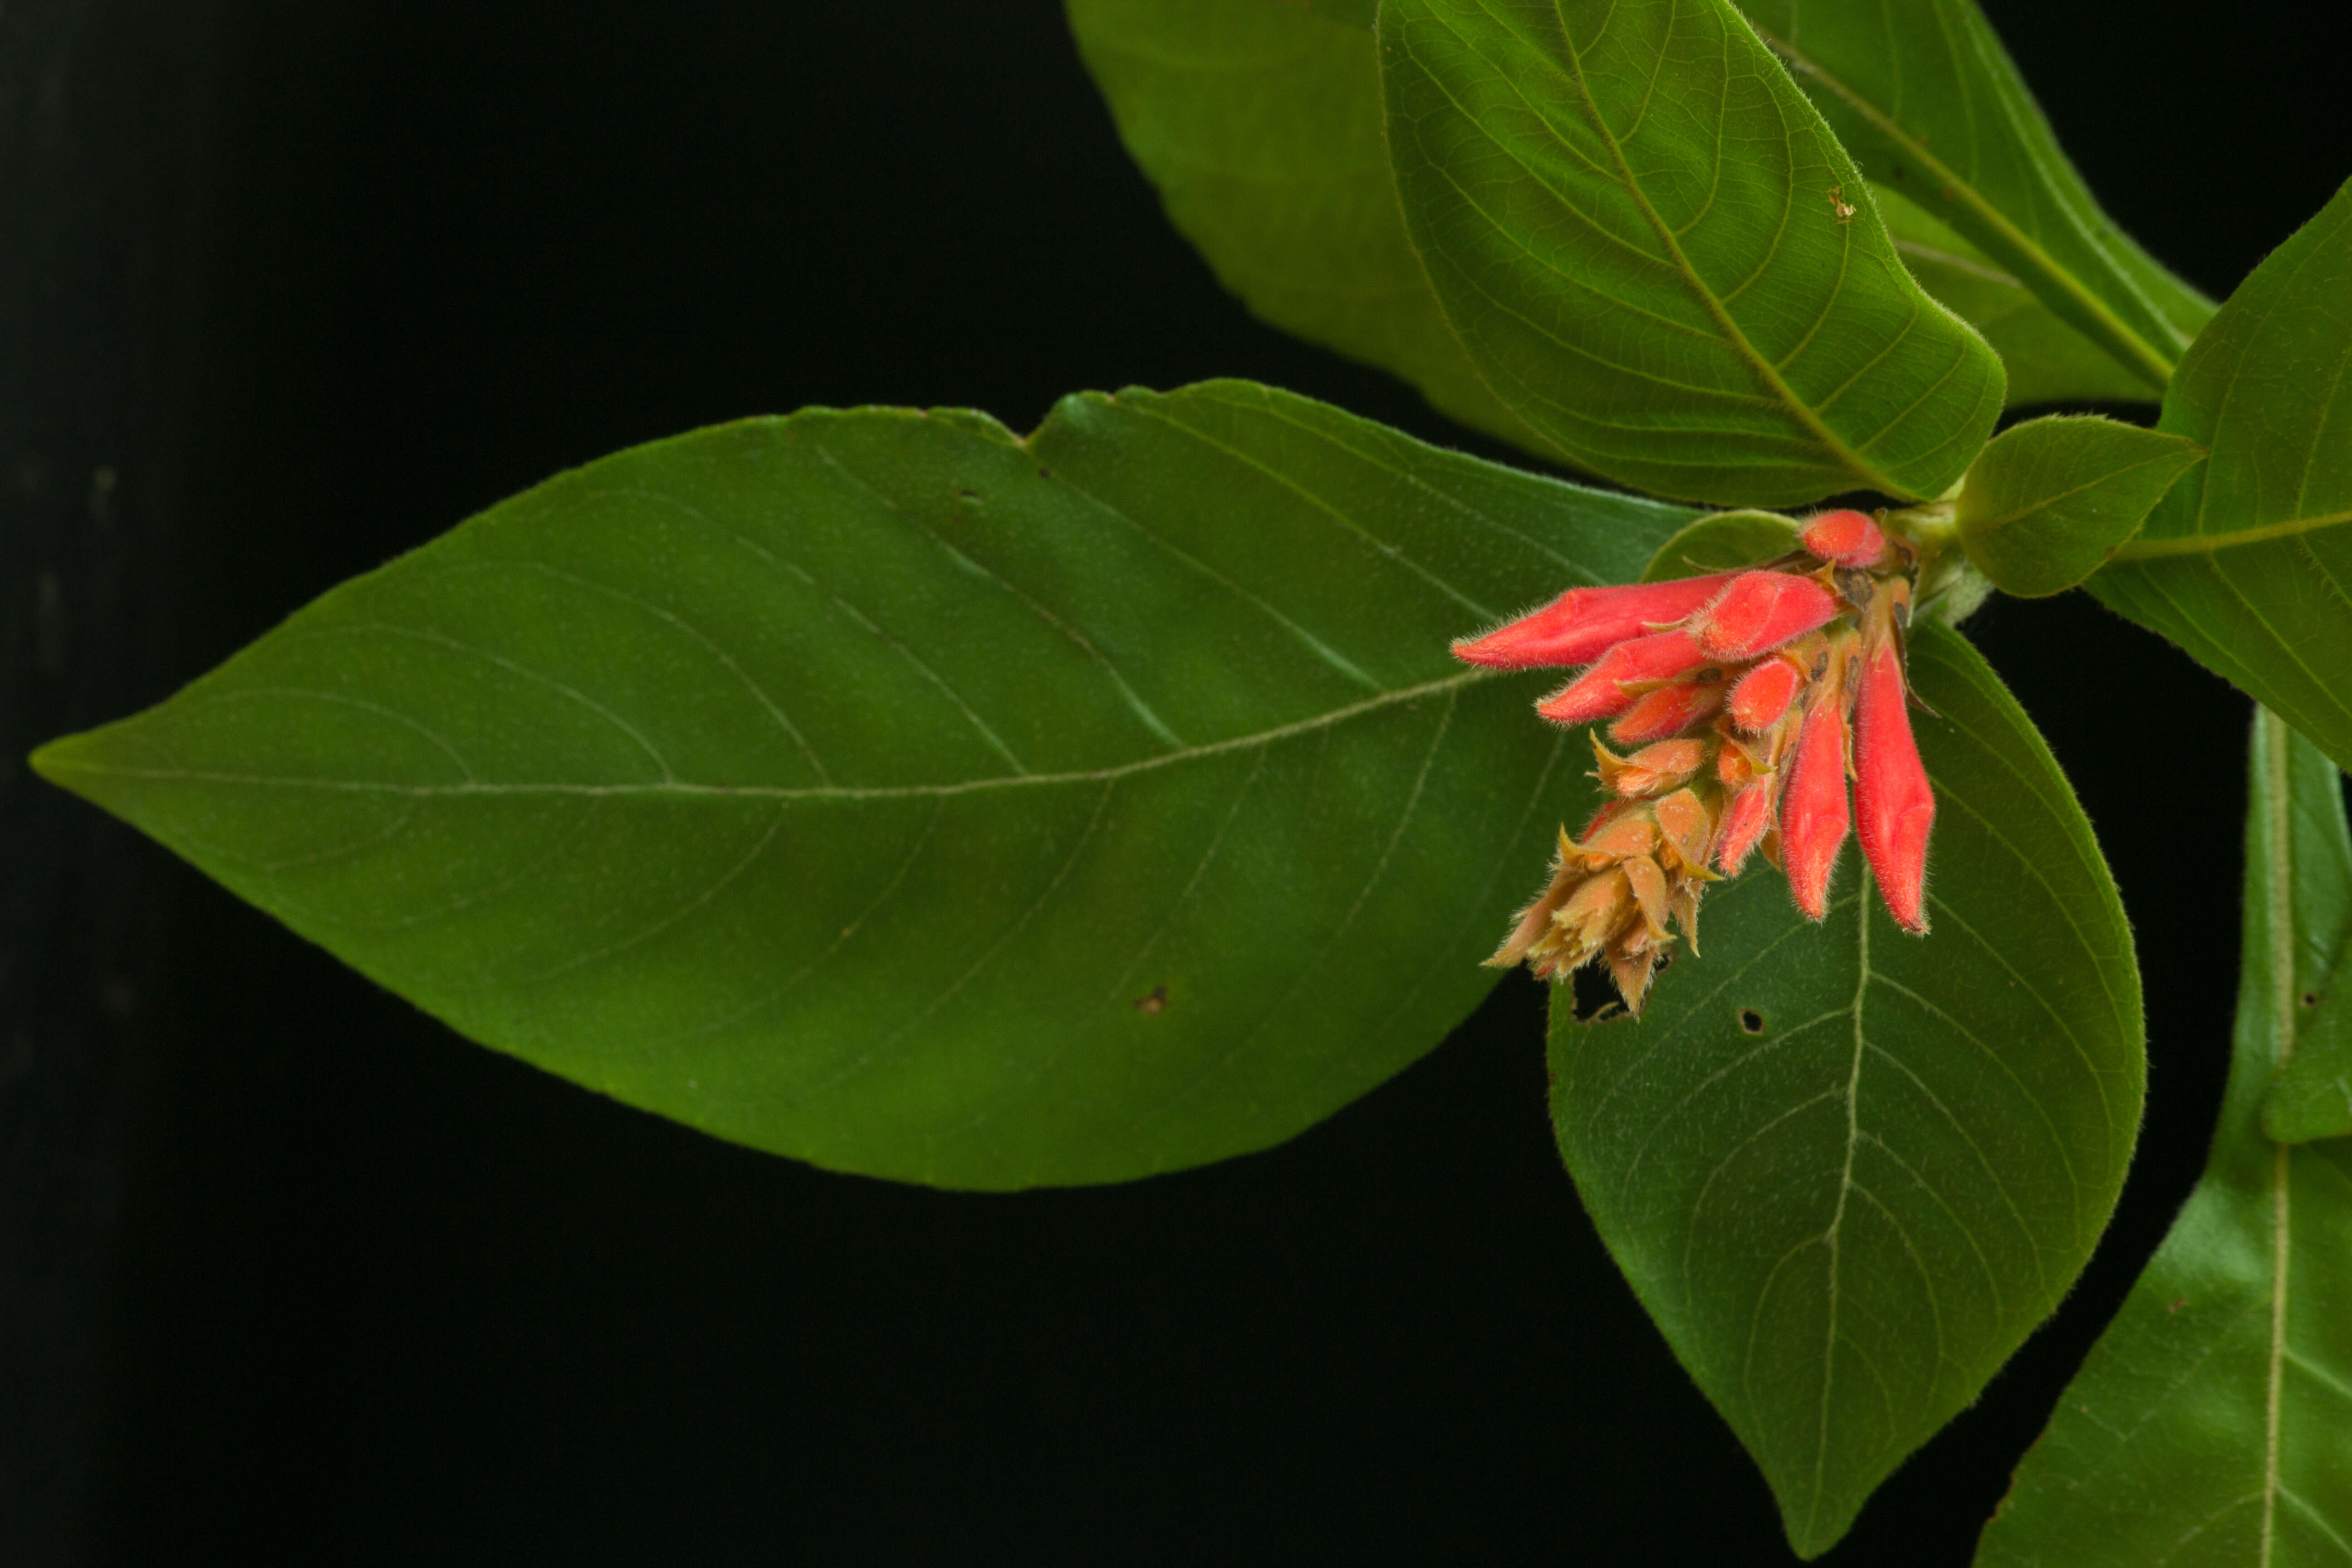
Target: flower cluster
(1742, 701)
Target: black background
(288, 1272)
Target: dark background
(288, 1272)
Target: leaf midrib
(1734, 338)
(2132, 350)
(2213, 543)
(2279, 848)
(53, 760)
(2043, 502)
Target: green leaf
(880, 789)
(2249, 564)
(2313, 1096)
(1723, 542)
(2047, 360)
(2211, 1426)
(1927, 99)
(2050, 501)
(1634, 220)
(1847, 1170)
(1259, 122)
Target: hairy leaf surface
(1927, 99)
(2248, 563)
(1260, 124)
(1661, 258)
(1722, 541)
(2211, 1426)
(1848, 1170)
(2050, 500)
(2047, 360)
(880, 789)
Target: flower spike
(1744, 700)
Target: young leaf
(2047, 360)
(1720, 542)
(1848, 1170)
(2212, 1422)
(2313, 1096)
(1260, 124)
(1927, 99)
(880, 789)
(2248, 563)
(1662, 259)
(2048, 502)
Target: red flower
(1734, 690)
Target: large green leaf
(2050, 500)
(1848, 1170)
(2211, 1426)
(1661, 258)
(1260, 124)
(1925, 97)
(2249, 567)
(2047, 360)
(880, 789)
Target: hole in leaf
(2311, 998)
(1751, 1020)
(1597, 1001)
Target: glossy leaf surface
(2050, 501)
(1661, 258)
(1847, 1170)
(2211, 1426)
(2047, 360)
(1930, 101)
(883, 790)
(2248, 563)
(1259, 122)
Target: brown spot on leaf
(1152, 1006)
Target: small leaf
(2047, 360)
(880, 789)
(1722, 541)
(1927, 99)
(2212, 1423)
(2248, 563)
(2050, 501)
(1848, 1170)
(1661, 258)
(1259, 122)
(2313, 1096)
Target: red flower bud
(1599, 691)
(1760, 611)
(1892, 798)
(1762, 695)
(1814, 816)
(1745, 823)
(1585, 623)
(1669, 711)
(1846, 538)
